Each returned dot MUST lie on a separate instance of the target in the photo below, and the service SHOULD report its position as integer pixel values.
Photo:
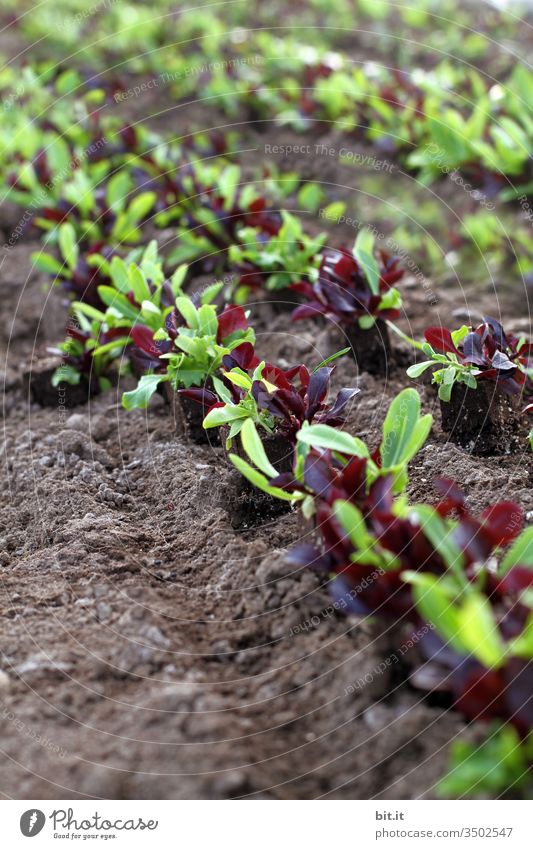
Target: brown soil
(150, 650)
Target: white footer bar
(267, 824)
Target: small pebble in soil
(103, 611)
(41, 663)
(77, 422)
(377, 717)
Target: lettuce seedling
(133, 292)
(481, 649)
(330, 464)
(277, 260)
(278, 401)
(382, 555)
(89, 351)
(470, 355)
(351, 287)
(501, 764)
(357, 293)
(482, 375)
(212, 204)
(138, 292)
(189, 350)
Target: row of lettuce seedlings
(483, 374)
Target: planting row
(436, 122)
(132, 314)
(122, 31)
(451, 117)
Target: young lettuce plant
(212, 204)
(186, 352)
(89, 352)
(81, 272)
(330, 464)
(266, 406)
(358, 293)
(275, 261)
(434, 566)
(501, 765)
(137, 291)
(480, 647)
(377, 551)
(278, 401)
(112, 212)
(481, 374)
(85, 363)
(470, 355)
